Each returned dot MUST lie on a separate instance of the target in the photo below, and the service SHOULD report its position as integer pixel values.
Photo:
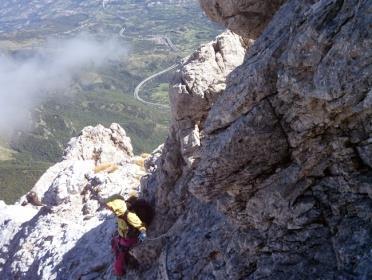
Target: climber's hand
(142, 236)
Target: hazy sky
(24, 82)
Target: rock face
(245, 17)
(68, 236)
(100, 144)
(198, 84)
(266, 173)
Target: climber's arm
(135, 222)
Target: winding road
(137, 89)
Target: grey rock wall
(247, 18)
(278, 182)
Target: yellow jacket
(119, 207)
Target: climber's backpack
(143, 210)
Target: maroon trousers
(121, 247)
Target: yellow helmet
(116, 204)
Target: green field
(156, 91)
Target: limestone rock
(151, 163)
(100, 145)
(365, 152)
(277, 184)
(33, 198)
(197, 85)
(247, 18)
(11, 219)
(69, 236)
(202, 76)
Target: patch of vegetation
(17, 176)
(146, 126)
(6, 154)
(160, 93)
(156, 92)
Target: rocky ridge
(68, 235)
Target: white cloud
(25, 82)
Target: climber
(131, 228)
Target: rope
(167, 234)
(163, 270)
(171, 230)
(163, 259)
